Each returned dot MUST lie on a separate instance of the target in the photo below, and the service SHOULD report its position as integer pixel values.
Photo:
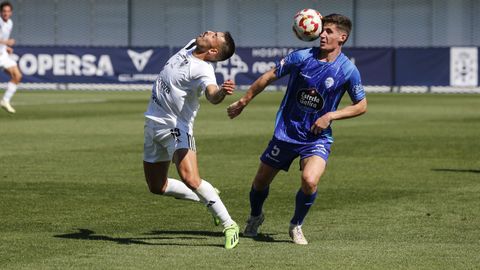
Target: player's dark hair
(228, 48)
(6, 4)
(342, 22)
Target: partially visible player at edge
(6, 63)
(169, 124)
(318, 79)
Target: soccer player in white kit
(6, 63)
(169, 124)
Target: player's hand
(228, 87)
(235, 108)
(10, 42)
(321, 124)
(9, 50)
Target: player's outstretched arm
(258, 86)
(9, 42)
(350, 111)
(216, 94)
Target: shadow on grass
(261, 237)
(457, 170)
(86, 234)
(201, 233)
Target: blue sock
(302, 204)
(257, 198)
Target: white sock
(11, 89)
(179, 190)
(207, 193)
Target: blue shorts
(280, 154)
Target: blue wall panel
(71, 64)
(422, 66)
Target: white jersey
(5, 30)
(175, 92)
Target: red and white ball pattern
(307, 24)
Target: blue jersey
(314, 89)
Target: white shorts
(161, 143)
(6, 61)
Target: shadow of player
(265, 237)
(86, 234)
(457, 170)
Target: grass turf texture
(401, 191)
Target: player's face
(6, 13)
(210, 40)
(331, 37)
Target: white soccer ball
(307, 24)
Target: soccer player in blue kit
(318, 79)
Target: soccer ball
(307, 24)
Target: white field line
(52, 102)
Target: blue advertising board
(377, 66)
(422, 66)
(89, 64)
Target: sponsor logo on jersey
(305, 75)
(329, 82)
(164, 87)
(309, 100)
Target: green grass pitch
(401, 190)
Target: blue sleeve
(289, 62)
(355, 88)
(284, 66)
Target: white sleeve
(204, 75)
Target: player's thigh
(313, 168)
(186, 162)
(156, 143)
(279, 154)
(264, 177)
(15, 73)
(9, 66)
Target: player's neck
(329, 55)
(199, 55)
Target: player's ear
(343, 38)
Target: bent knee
(155, 187)
(156, 190)
(18, 78)
(309, 184)
(192, 183)
(309, 188)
